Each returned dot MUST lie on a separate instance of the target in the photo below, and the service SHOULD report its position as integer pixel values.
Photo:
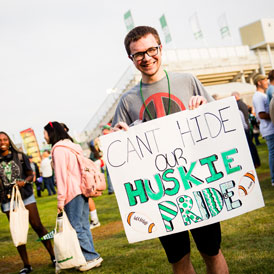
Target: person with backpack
(15, 168)
(70, 196)
(94, 220)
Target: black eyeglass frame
(145, 52)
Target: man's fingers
(196, 101)
(121, 126)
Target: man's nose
(146, 56)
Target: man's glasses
(138, 56)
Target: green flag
(128, 20)
(165, 28)
(195, 26)
(223, 26)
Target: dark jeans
(253, 150)
(49, 184)
(39, 189)
(270, 145)
(110, 187)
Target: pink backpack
(93, 181)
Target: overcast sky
(58, 57)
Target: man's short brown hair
(271, 75)
(257, 78)
(139, 32)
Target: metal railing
(196, 61)
(106, 110)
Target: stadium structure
(222, 70)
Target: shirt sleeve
(198, 89)
(61, 160)
(121, 113)
(259, 104)
(243, 120)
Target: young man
(261, 106)
(158, 94)
(243, 108)
(241, 105)
(47, 173)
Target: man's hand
(121, 126)
(196, 101)
(264, 115)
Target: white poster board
(182, 171)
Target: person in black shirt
(36, 177)
(15, 169)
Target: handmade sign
(182, 171)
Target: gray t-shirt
(182, 86)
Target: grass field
(247, 240)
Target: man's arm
(264, 115)
(121, 114)
(200, 97)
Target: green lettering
(214, 200)
(227, 161)
(185, 204)
(209, 162)
(201, 205)
(230, 204)
(175, 189)
(187, 177)
(139, 191)
(168, 212)
(150, 192)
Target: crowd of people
(262, 100)
(59, 168)
(18, 168)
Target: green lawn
(248, 240)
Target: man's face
(263, 84)
(148, 66)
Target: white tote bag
(67, 249)
(19, 218)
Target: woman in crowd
(69, 194)
(94, 220)
(15, 167)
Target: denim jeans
(270, 144)
(49, 184)
(110, 187)
(77, 211)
